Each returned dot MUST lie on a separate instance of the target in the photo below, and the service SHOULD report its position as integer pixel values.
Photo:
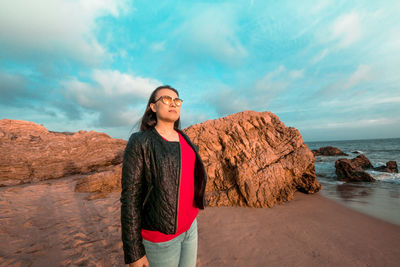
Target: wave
(393, 178)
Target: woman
(163, 183)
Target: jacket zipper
(179, 182)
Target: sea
(381, 198)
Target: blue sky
(328, 68)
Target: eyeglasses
(168, 100)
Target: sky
(328, 68)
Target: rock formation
(101, 182)
(352, 170)
(391, 166)
(362, 161)
(253, 159)
(328, 151)
(29, 152)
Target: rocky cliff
(251, 158)
(30, 153)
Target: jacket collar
(178, 130)
(154, 131)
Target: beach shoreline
(310, 230)
(49, 223)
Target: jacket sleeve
(131, 197)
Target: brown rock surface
(391, 166)
(362, 161)
(328, 151)
(102, 182)
(29, 152)
(253, 159)
(352, 170)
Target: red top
(187, 212)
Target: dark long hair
(149, 118)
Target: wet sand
(48, 224)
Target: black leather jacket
(150, 188)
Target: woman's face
(170, 112)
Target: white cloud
(296, 74)
(13, 89)
(359, 103)
(212, 32)
(380, 121)
(257, 97)
(114, 82)
(362, 74)
(160, 46)
(347, 29)
(116, 97)
(275, 81)
(190, 117)
(228, 101)
(320, 5)
(274, 73)
(269, 87)
(320, 56)
(54, 27)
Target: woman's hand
(142, 262)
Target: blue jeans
(180, 251)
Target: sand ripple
(48, 224)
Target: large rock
(352, 170)
(328, 151)
(253, 159)
(362, 161)
(29, 152)
(391, 166)
(101, 182)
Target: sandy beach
(310, 230)
(48, 224)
